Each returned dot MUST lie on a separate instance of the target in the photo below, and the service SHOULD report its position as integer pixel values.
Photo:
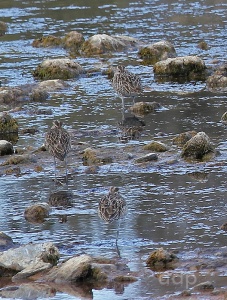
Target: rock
(29, 259)
(204, 286)
(103, 43)
(10, 95)
(183, 138)
(203, 45)
(160, 260)
(147, 157)
(28, 291)
(8, 124)
(47, 41)
(5, 241)
(61, 198)
(197, 147)
(144, 108)
(16, 159)
(73, 270)
(156, 52)
(3, 28)
(130, 128)
(188, 67)
(6, 148)
(224, 226)
(92, 156)
(73, 41)
(224, 118)
(156, 146)
(217, 82)
(59, 68)
(38, 94)
(52, 85)
(37, 213)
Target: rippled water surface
(167, 206)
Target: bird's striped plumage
(57, 141)
(112, 206)
(125, 83)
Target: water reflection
(131, 128)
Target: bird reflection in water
(61, 199)
(112, 207)
(58, 143)
(131, 128)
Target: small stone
(204, 286)
(147, 157)
(37, 213)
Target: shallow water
(167, 206)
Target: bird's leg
(55, 170)
(133, 99)
(117, 248)
(66, 170)
(123, 103)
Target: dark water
(167, 207)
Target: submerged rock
(37, 213)
(189, 67)
(6, 148)
(157, 51)
(144, 108)
(131, 128)
(47, 41)
(28, 260)
(103, 43)
(94, 157)
(197, 147)
(224, 226)
(224, 118)
(59, 68)
(11, 95)
(218, 80)
(161, 260)
(146, 158)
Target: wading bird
(126, 84)
(112, 207)
(57, 141)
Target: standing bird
(126, 84)
(112, 207)
(58, 143)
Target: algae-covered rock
(161, 260)
(73, 41)
(94, 157)
(156, 52)
(189, 67)
(183, 138)
(61, 68)
(197, 147)
(103, 43)
(10, 95)
(218, 81)
(224, 226)
(37, 213)
(156, 146)
(47, 41)
(8, 124)
(143, 108)
(6, 148)
(203, 45)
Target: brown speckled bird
(125, 83)
(58, 143)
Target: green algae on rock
(8, 124)
(156, 146)
(59, 68)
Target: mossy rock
(61, 198)
(144, 108)
(156, 52)
(37, 213)
(16, 159)
(183, 138)
(73, 41)
(47, 41)
(189, 67)
(198, 147)
(61, 68)
(203, 45)
(161, 260)
(156, 146)
(93, 157)
(8, 124)
(10, 95)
